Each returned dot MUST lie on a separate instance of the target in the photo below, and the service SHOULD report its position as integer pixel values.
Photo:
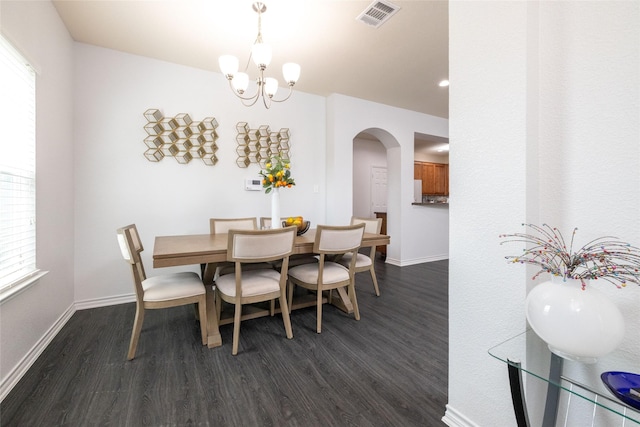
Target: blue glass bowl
(620, 384)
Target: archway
(369, 165)
(371, 173)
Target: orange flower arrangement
(277, 174)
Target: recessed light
(444, 83)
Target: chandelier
(261, 55)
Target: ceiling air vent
(377, 13)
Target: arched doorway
(369, 175)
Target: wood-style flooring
(388, 369)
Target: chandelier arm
(255, 99)
(246, 67)
(266, 100)
(244, 98)
(287, 97)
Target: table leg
(344, 303)
(553, 391)
(213, 330)
(214, 339)
(517, 393)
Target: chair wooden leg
(354, 301)
(290, 287)
(135, 333)
(202, 309)
(236, 328)
(319, 311)
(272, 307)
(195, 311)
(375, 281)
(285, 314)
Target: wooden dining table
(210, 249)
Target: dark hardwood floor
(388, 369)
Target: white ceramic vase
(275, 208)
(576, 324)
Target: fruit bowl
(303, 226)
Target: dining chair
(163, 291)
(223, 225)
(243, 286)
(295, 259)
(365, 262)
(265, 222)
(327, 275)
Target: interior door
(378, 190)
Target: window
(17, 170)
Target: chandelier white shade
(261, 55)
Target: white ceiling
(399, 64)
(431, 145)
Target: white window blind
(17, 168)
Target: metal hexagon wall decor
(259, 145)
(180, 137)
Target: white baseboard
(104, 302)
(23, 366)
(405, 263)
(453, 418)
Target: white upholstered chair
(328, 275)
(168, 290)
(365, 262)
(295, 259)
(265, 222)
(243, 286)
(223, 225)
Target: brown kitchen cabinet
(434, 176)
(441, 178)
(417, 170)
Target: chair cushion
(172, 286)
(254, 282)
(361, 260)
(308, 273)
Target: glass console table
(529, 354)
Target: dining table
(210, 249)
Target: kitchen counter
(431, 204)
(430, 200)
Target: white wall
(31, 318)
(116, 185)
(418, 234)
(544, 111)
